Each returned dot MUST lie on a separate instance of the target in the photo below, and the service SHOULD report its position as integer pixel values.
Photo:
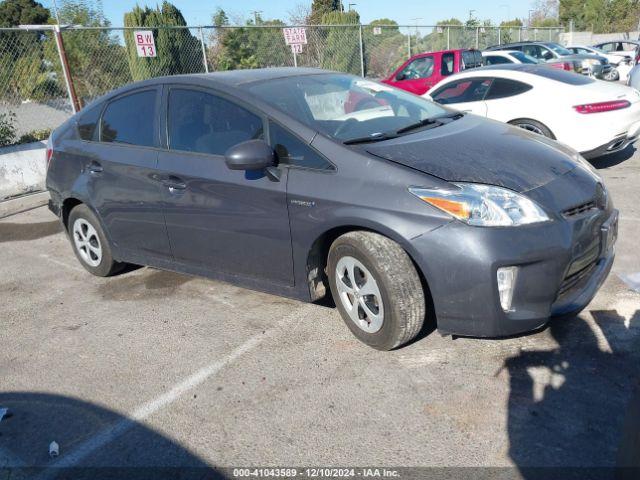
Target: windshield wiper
(376, 137)
(422, 123)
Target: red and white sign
(145, 45)
(296, 48)
(295, 36)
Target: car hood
(475, 149)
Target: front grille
(572, 280)
(580, 209)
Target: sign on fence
(295, 36)
(145, 45)
(296, 48)
(377, 30)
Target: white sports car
(591, 116)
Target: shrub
(7, 128)
(34, 136)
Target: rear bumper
(620, 142)
(460, 264)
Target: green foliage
(7, 128)
(600, 16)
(22, 12)
(177, 50)
(385, 51)
(319, 8)
(34, 136)
(238, 48)
(342, 47)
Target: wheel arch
(318, 253)
(524, 119)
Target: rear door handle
(95, 167)
(174, 183)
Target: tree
(342, 46)
(319, 8)
(600, 16)
(384, 51)
(509, 29)
(22, 12)
(177, 51)
(97, 60)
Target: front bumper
(561, 266)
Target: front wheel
(90, 243)
(376, 289)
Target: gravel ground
(157, 369)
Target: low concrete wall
(590, 38)
(23, 169)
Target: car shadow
(613, 159)
(21, 232)
(574, 410)
(94, 442)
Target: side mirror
(250, 155)
(401, 76)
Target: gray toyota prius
(302, 182)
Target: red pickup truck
(422, 71)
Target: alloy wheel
(87, 242)
(359, 294)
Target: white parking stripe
(61, 264)
(144, 411)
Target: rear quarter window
(88, 122)
(504, 88)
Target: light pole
(530, 11)
(255, 16)
(471, 12)
(55, 11)
(352, 5)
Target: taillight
(602, 106)
(562, 66)
(49, 152)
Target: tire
(533, 126)
(395, 300)
(613, 75)
(90, 244)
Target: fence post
(361, 53)
(71, 91)
(499, 36)
(204, 51)
(570, 32)
(409, 43)
(448, 38)
(520, 34)
(477, 37)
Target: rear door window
(471, 59)
(448, 60)
(532, 50)
(204, 123)
(503, 88)
(130, 120)
(463, 91)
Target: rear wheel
(533, 126)
(90, 243)
(376, 289)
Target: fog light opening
(506, 284)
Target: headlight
(483, 205)
(590, 62)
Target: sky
(405, 12)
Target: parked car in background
(422, 71)
(622, 47)
(560, 57)
(633, 80)
(260, 178)
(501, 57)
(621, 63)
(595, 118)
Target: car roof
(504, 46)
(500, 52)
(635, 42)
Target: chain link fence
(37, 91)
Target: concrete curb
(23, 169)
(23, 203)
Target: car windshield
(349, 108)
(523, 57)
(559, 49)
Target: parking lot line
(147, 409)
(61, 264)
